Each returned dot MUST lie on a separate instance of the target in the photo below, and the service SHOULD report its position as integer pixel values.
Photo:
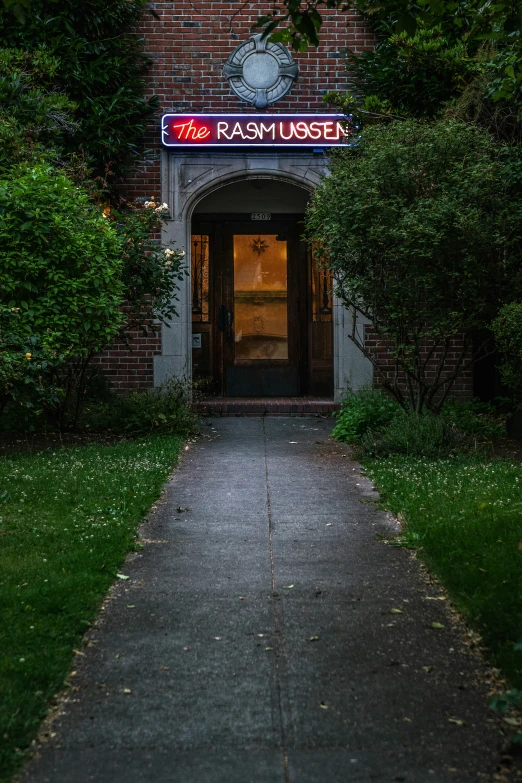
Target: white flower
(182, 253)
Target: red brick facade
(189, 43)
(463, 387)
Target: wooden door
(261, 309)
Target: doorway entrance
(261, 308)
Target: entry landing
(266, 406)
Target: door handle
(230, 318)
(221, 317)
(225, 319)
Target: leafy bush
(367, 409)
(507, 328)
(412, 76)
(26, 374)
(34, 117)
(478, 420)
(375, 422)
(423, 236)
(151, 272)
(164, 409)
(61, 263)
(99, 67)
(60, 284)
(413, 434)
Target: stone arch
(215, 185)
(189, 178)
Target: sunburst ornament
(259, 246)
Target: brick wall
(463, 387)
(189, 44)
(191, 41)
(128, 363)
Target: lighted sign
(259, 130)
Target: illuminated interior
(260, 297)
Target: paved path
(256, 639)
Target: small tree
(423, 235)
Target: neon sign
(259, 130)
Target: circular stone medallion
(260, 72)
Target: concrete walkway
(254, 641)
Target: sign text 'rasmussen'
(260, 130)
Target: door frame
(220, 228)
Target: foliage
(463, 516)
(99, 68)
(150, 272)
(60, 281)
(61, 262)
(34, 118)
(459, 428)
(26, 369)
(411, 76)
(502, 118)
(300, 23)
(67, 270)
(374, 419)
(473, 418)
(72, 79)
(427, 38)
(507, 328)
(504, 702)
(413, 434)
(423, 235)
(366, 409)
(164, 409)
(68, 517)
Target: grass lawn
(67, 519)
(465, 516)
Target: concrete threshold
(266, 406)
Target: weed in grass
(465, 516)
(67, 519)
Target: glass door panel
(260, 297)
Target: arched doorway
(261, 308)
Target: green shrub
(164, 409)
(507, 328)
(60, 289)
(367, 409)
(89, 56)
(374, 421)
(478, 420)
(61, 263)
(413, 434)
(422, 229)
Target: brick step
(269, 406)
